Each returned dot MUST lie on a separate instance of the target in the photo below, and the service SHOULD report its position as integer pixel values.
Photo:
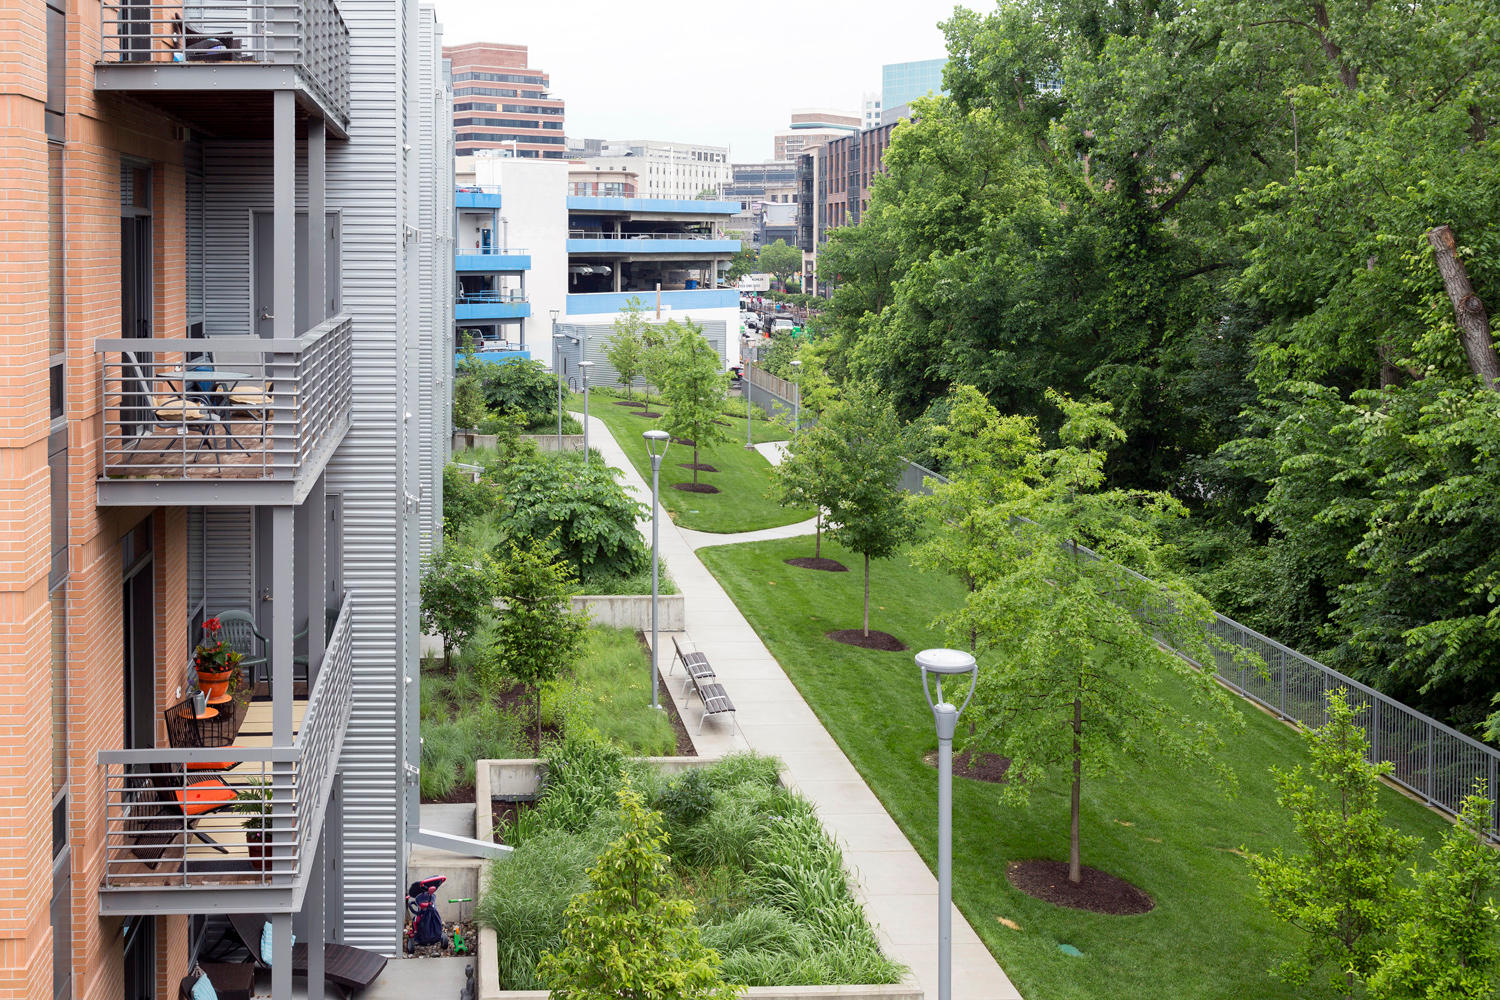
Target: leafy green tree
(628, 936)
(857, 448)
(798, 479)
(626, 349)
(659, 340)
(518, 388)
(468, 397)
(743, 262)
(537, 633)
(579, 509)
(779, 259)
(989, 459)
(694, 390)
(1074, 678)
(1446, 948)
(458, 594)
(465, 501)
(1342, 892)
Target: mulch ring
(1098, 892)
(630, 402)
(700, 488)
(467, 932)
(989, 767)
(684, 442)
(645, 413)
(875, 640)
(808, 562)
(699, 466)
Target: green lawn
(743, 475)
(1174, 834)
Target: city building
(680, 170)
(870, 110)
(833, 184)
(809, 128)
(902, 83)
(584, 258)
(219, 363)
(500, 102)
(599, 181)
(761, 188)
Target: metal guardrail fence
(222, 408)
(1432, 761)
(168, 822)
(308, 34)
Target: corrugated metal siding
(228, 583)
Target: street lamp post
(653, 439)
(941, 663)
(797, 400)
(557, 366)
(584, 367)
(749, 363)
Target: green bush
(518, 387)
(686, 800)
(465, 502)
(581, 510)
(726, 834)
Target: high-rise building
(902, 83)
(767, 195)
(870, 110)
(833, 184)
(499, 102)
(221, 368)
(662, 169)
(809, 128)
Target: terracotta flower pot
(215, 684)
(255, 843)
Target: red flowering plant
(213, 655)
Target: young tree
(627, 348)
(458, 594)
(694, 391)
(989, 459)
(743, 262)
(1342, 891)
(1446, 947)
(628, 936)
(798, 480)
(858, 448)
(658, 340)
(537, 633)
(1074, 680)
(780, 259)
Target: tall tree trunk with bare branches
(1473, 321)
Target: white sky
(710, 72)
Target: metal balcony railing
(230, 817)
(471, 298)
(223, 408)
(309, 35)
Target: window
(57, 66)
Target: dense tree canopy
(1268, 233)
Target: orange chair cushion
(211, 765)
(204, 796)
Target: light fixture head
(796, 363)
(554, 313)
(654, 438)
(944, 664)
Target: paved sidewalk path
(898, 890)
(703, 539)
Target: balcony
(222, 421)
(159, 860)
(587, 241)
(680, 301)
(216, 64)
(492, 259)
(475, 198)
(672, 206)
(491, 305)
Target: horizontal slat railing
(151, 842)
(1429, 759)
(222, 408)
(309, 35)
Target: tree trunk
(818, 537)
(867, 597)
(447, 655)
(1473, 321)
(536, 700)
(1075, 867)
(695, 464)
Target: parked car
(782, 325)
(749, 320)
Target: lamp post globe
(657, 442)
(952, 665)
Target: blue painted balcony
(470, 198)
(490, 259)
(491, 305)
(682, 301)
(587, 242)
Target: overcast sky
(711, 72)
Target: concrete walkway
(898, 890)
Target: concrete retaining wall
(634, 611)
(548, 442)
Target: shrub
(520, 388)
(465, 502)
(686, 800)
(726, 834)
(581, 509)
(458, 594)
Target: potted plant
(254, 800)
(216, 662)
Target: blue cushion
(265, 942)
(203, 989)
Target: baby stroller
(426, 925)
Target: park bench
(700, 674)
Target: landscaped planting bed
(767, 883)
(1175, 834)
